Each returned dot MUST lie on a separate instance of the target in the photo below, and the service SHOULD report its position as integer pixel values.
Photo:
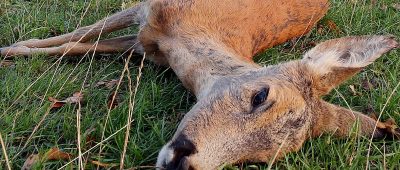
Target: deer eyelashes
(259, 101)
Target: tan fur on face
(224, 128)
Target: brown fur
(210, 44)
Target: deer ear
(334, 61)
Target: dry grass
(148, 112)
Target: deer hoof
(389, 131)
(390, 42)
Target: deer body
(245, 112)
(202, 39)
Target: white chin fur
(165, 156)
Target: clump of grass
(160, 98)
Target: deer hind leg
(341, 122)
(114, 45)
(112, 23)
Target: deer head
(259, 112)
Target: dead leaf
(76, 98)
(396, 6)
(30, 161)
(113, 102)
(90, 141)
(369, 83)
(332, 26)
(353, 90)
(327, 26)
(90, 138)
(320, 30)
(52, 154)
(56, 154)
(56, 103)
(7, 63)
(100, 164)
(109, 84)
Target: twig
(277, 152)
(377, 121)
(112, 102)
(131, 106)
(78, 129)
(95, 146)
(3, 146)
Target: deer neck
(199, 63)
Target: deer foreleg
(341, 122)
(115, 45)
(112, 23)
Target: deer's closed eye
(260, 97)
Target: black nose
(182, 148)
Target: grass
(161, 99)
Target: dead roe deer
(245, 112)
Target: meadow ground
(28, 125)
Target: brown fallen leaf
(111, 104)
(30, 162)
(353, 90)
(320, 29)
(52, 154)
(90, 138)
(56, 154)
(332, 26)
(56, 103)
(100, 164)
(90, 141)
(109, 84)
(76, 98)
(369, 83)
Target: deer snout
(174, 155)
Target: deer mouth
(184, 164)
(181, 164)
